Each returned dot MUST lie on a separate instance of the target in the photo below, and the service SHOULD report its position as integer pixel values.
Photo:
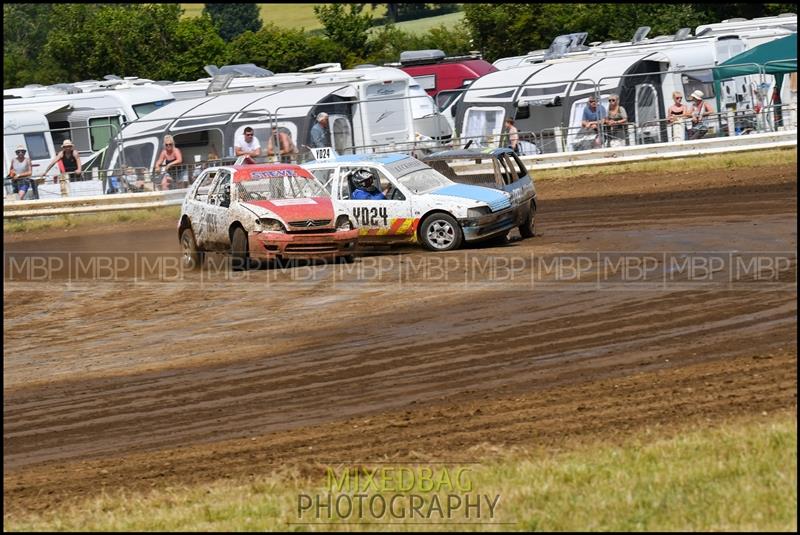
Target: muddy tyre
(527, 228)
(441, 232)
(240, 255)
(191, 256)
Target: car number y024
(371, 215)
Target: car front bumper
(489, 225)
(322, 245)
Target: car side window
(201, 193)
(324, 177)
(507, 170)
(522, 171)
(221, 195)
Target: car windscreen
(424, 180)
(281, 187)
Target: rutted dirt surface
(152, 377)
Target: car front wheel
(441, 232)
(527, 228)
(191, 257)
(239, 252)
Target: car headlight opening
(480, 211)
(270, 225)
(343, 223)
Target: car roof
(243, 173)
(364, 158)
(467, 154)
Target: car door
(378, 220)
(213, 228)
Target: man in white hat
(70, 161)
(20, 172)
(700, 111)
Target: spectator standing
(286, 144)
(21, 172)
(513, 135)
(248, 144)
(170, 158)
(593, 116)
(676, 114)
(70, 160)
(699, 113)
(320, 134)
(616, 121)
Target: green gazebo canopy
(777, 57)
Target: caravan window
(702, 80)
(483, 125)
(37, 146)
(101, 130)
(139, 155)
(60, 131)
(143, 109)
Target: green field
(302, 16)
(737, 476)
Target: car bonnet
(294, 209)
(496, 199)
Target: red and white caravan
(262, 212)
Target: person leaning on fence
(699, 113)
(678, 111)
(170, 157)
(21, 171)
(593, 115)
(70, 160)
(513, 135)
(248, 144)
(616, 121)
(287, 147)
(320, 134)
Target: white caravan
(90, 119)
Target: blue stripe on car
(496, 199)
(377, 158)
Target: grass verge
(740, 475)
(88, 220)
(732, 161)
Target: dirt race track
(152, 378)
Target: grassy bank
(740, 475)
(99, 219)
(732, 161)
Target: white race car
(396, 198)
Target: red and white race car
(263, 212)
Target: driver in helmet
(366, 189)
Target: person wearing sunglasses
(616, 120)
(248, 144)
(21, 172)
(169, 158)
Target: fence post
(731, 123)
(558, 138)
(631, 134)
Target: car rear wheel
(527, 228)
(441, 232)
(239, 252)
(191, 256)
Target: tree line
(50, 43)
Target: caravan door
(648, 123)
(341, 134)
(482, 126)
